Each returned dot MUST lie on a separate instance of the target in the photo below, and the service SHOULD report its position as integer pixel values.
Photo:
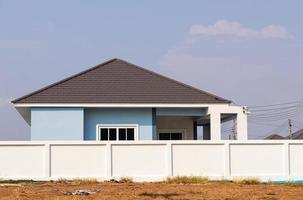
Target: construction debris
(82, 192)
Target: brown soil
(108, 190)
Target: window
(116, 132)
(170, 136)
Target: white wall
(152, 160)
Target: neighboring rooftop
(274, 137)
(117, 81)
(295, 136)
(298, 135)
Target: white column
(227, 160)
(47, 161)
(241, 125)
(215, 126)
(286, 160)
(169, 162)
(109, 161)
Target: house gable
(117, 81)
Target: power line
(272, 105)
(263, 124)
(297, 126)
(276, 114)
(277, 108)
(298, 122)
(277, 118)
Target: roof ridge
(64, 80)
(134, 65)
(175, 81)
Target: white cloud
(234, 28)
(252, 71)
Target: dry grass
(247, 181)
(161, 190)
(186, 179)
(126, 180)
(293, 184)
(154, 195)
(77, 181)
(121, 180)
(9, 181)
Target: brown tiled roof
(117, 81)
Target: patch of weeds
(10, 181)
(186, 179)
(158, 195)
(113, 181)
(248, 181)
(126, 180)
(77, 181)
(294, 184)
(63, 180)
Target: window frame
(117, 126)
(170, 131)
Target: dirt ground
(109, 190)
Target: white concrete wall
(152, 160)
(215, 112)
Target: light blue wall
(57, 124)
(140, 116)
(80, 123)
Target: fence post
(169, 159)
(47, 161)
(286, 160)
(227, 160)
(109, 160)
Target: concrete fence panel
(76, 161)
(257, 160)
(296, 160)
(22, 161)
(151, 160)
(198, 160)
(139, 161)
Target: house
(117, 100)
(298, 135)
(274, 137)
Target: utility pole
(290, 128)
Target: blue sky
(248, 51)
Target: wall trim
(131, 105)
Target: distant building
(274, 137)
(298, 135)
(295, 136)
